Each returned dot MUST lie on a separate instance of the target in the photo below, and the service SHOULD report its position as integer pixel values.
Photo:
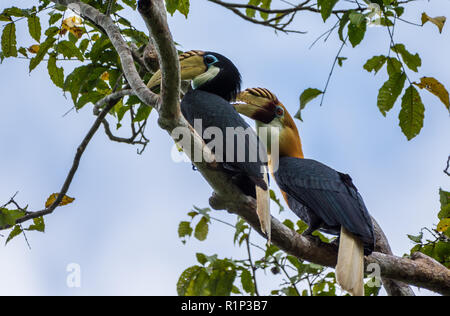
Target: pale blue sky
(122, 229)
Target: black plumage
(210, 103)
(325, 199)
(215, 111)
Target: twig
(72, 172)
(247, 241)
(332, 70)
(446, 170)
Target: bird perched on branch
(215, 82)
(325, 199)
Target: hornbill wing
(330, 195)
(214, 111)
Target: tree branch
(72, 172)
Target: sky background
(122, 228)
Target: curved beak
(190, 68)
(254, 107)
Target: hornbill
(325, 199)
(215, 83)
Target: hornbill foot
(216, 202)
(336, 242)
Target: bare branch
(72, 172)
(447, 169)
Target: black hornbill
(215, 83)
(324, 198)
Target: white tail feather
(263, 208)
(350, 266)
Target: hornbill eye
(279, 111)
(211, 60)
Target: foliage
(436, 242)
(228, 276)
(352, 26)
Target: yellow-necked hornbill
(322, 197)
(215, 83)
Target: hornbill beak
(257, 104)
(192, 65)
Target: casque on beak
(191, 66)
(255, 107)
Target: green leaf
(84, 45)
(390, 91)
(241, 226)
(90, 97)
(56, 74)
(75, 80)
(14, 233)
(375, 63)
(412, 61)
(341, 61)
(412, 113)
(274, 198)
(143, 113)
(172, 6)
(14, 11)
(289, 223)
(202, 228)
(252, 12)
(69, 50)
(186, 280)
(9, 217)
(34, 27)
(43, 49)
(443, 225)
(23, 51)
(416, 239)
(247, 282)
(371, 290)
(326, 7)
(131, 3)
(54, 18)
(184, 229)
(39, 225)
(357, 18)
(307, 96)
(52, 31)
(356, 32)
(302, 227)
(183, 7)
(265, 5)
(9, 43)
(221, 281)
(200, 284)
(394, 66)
(201, 258)
(445, 204)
